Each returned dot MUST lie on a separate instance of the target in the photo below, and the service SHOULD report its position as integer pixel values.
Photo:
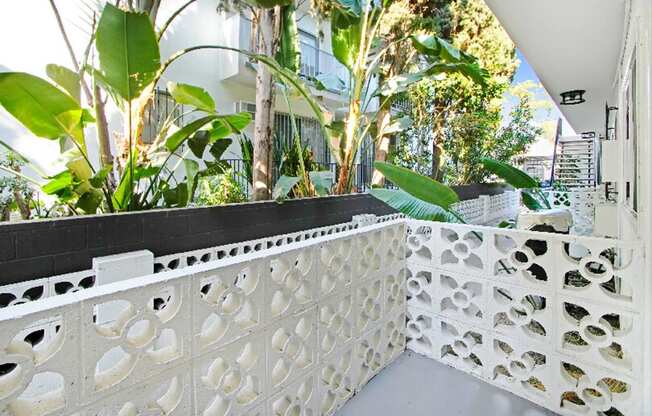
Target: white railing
(36, 289)
(489, 210)
(296, 329)
(581, 204)
(556, 319)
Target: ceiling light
(572, 97)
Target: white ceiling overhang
(570, 44)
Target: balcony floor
(417, 386)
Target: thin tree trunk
(382, 145)
(437, 147)
(106, 157)
(263, 123)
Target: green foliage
(412, 206)
(289, 54)
(419, 186)
(129, 69)
(191, 95)
(41, 107)
(16, 193)
(531, 194)
(128, 51)
(219, 190)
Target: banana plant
(129, 70)
(355, 28)
(531, 194)
(418, 196)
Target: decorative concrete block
(420, 332)
(521, 313)
(335, 268)
(294, 282)
(461, 248)
(291, 348)
(395, 291)
(600, 335)
(231, 381)
(19, 293)
(462, 346)
(337, 320)
(229, 303)
(368, 357)
(368, 298)
(421, 289)
(300, 398)
(123, 266)
(337, 380)
(420, 244)
(582, 389)
(394, 337)
(463, 298)
(131, 335)
(523, 259)
(526, 370)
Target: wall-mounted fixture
(572, 97)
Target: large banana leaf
(513, 176)
(191, 95)
(289, 55)
(419, 186)
(41, 107)
(413, 207)
(128, 51)
(65, 78)
(345, 37)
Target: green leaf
(322, 181)
(400, 83)
(329, 81)
(411, 206)
(176, 197)
(128, 51)
(237, 122)
(65, 78)
(513, 176)
(58, 183)
(192, 170)
(41, 107)
(283, 186)
(198, 142)
(191, 95)
(350, 7)
(177, 138)
(530, 201)
(345, 38)
(90, 201)
(268, 4)
(143, 172)
(219, 147)
(124, 191)
(419, 186)
(97, 181)
(398, 125)
(289, 54)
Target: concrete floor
(417, 386)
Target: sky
(544, 116)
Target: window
(309, 54)
(631, 140)
(162, 107)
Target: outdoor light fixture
(572, 97)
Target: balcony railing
(314, 61)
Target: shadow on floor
(416, 386)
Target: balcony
(314, 61)
(300, 322)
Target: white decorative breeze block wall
(293, 330)
(552, 318)
(581, 204)
(487, 210)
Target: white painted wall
(638, 45)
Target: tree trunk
(382, 145)
(103, 138)
(437, 147)
(263, 123)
